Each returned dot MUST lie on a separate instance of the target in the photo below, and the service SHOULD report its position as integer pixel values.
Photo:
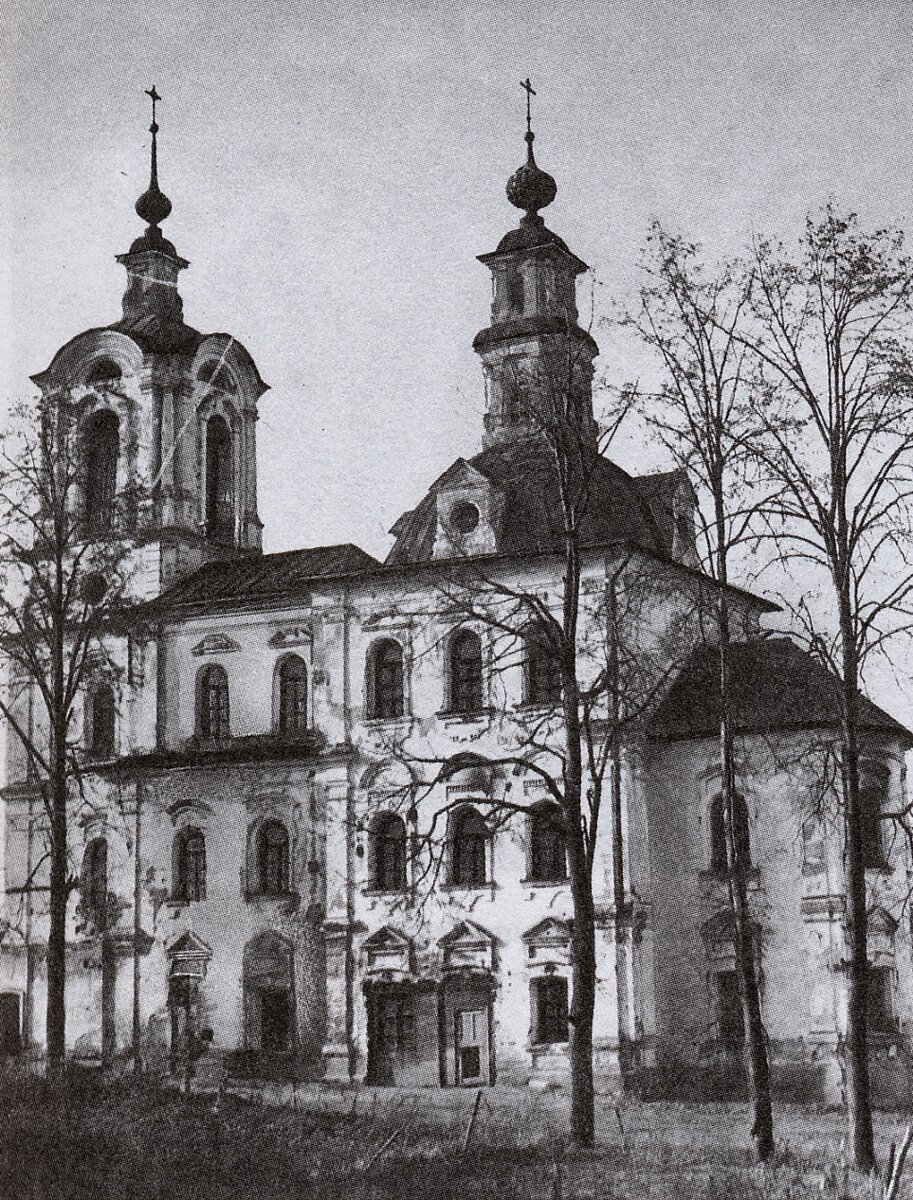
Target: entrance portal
(402, 1034)
(10, 1023)
(468, 1058)
(269, 994)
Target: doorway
(10, 1023)
(471, 1041)
(275, 1020)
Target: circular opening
(464, 517)
(94, 587)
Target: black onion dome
(529, 187)
(153, 206)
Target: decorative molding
(468, 946)
(181, 807)
(388, 952)
(215, 643)
(294, 635)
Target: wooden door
(471, 1041)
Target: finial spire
(530, 92)
(529, 187)
(153, 206)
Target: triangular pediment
(216, 643)
(189, 945)
(550, 931)
(387, 938)
(467, 933)
(460, 474)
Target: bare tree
(829, 330)
(596, 629)
(700, 413)
(59, 591)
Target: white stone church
(242, 840)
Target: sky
(335, 169)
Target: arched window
(272, 858)
(102, 443)
(873, 792)
(220, 516)
(543, 674)
(470, 839)
(101, 721)
(212, 717)
(94, 884)
(718, 856)
(465, 672)
(385, 680)
(548, 850)
(293, 695)
(190, 865)
(388, 854)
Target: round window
(464, 517)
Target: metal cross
(528, 88)
(155, 97)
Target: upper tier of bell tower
(167, 415)
(534, 351)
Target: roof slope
(776, 685)
(267, 576)
(531, 520)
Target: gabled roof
(776, 686)
(261, 578)
(531, 521)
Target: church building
(294, 829)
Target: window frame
(205, 692)
(299, 703)
(465, 688)
(539, 816)
(101, 450)
(381, 840)
(263, 849)
(93, 885)
(182, 889)
(728, 1001)
(219, 493)
(386, 680)
(101, 747)
(541, 688)
(469, 866)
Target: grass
(140, 1142)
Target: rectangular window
(729, 1010)
(873, 786)
(550, 1023)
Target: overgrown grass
(141, 1142)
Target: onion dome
(529, 187)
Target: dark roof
(159, 335)
(531, 519)
(262, 577)
(776, 685)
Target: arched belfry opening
(220, 516)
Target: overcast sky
(336, 167)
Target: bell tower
(177, 410)
(534, 353)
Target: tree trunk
(583, 1003)
(56, 961)
(757, 1064)
(859, 1104)
(137, 930)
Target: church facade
(295, 830)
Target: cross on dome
(529, 187)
